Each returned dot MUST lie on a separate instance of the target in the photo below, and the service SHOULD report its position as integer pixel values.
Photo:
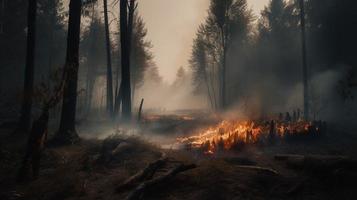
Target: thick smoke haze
(172, 25)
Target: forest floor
(95, 168)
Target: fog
(172, 25)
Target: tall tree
(25, 119)
(198, 64)
(109, 61)
(67, 132)
(126, 28)
(228, 16)
(304, 60)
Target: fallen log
(143, 175)
(138, 193)
(259, 169)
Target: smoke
(262, 96)
(161, 96)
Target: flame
(229, 134)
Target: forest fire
(234, 134)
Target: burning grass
(234, 134)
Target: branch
(143, 175)
(142, 188)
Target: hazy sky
(172, 25)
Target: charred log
(143, 175)
(139, 192)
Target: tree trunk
(304, 61)
(109, 62)
(125, 60)
(25, 118)
(51, 40)
(126, 30)
(140, 110)
(67, 132)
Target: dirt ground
(95, 168)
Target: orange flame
(229, 134)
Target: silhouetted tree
(198, 63)
(25, 119)
(67, 132)
(126, 29)
(228, 23)
(304, 60)
(180, 77)
(228, 17)
(109, 61)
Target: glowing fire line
(228, 134)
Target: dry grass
(93, 169)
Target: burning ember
(234, 134)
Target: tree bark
(67, 132)
(109, 62)
(125, 61)
(25, 118)
(304, 60)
